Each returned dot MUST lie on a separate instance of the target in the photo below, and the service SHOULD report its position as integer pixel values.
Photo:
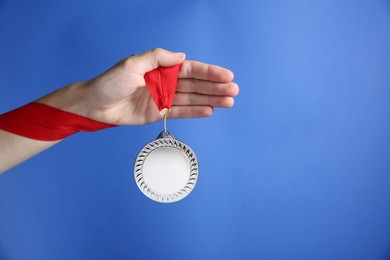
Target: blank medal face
(166, 170)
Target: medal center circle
(166, 170)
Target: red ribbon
(42, 122)
(161, 83)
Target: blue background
(298, 169)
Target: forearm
(15, 149)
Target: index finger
(203, 71)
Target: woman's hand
(119, 96)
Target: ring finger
(192, 99)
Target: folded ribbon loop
(161, 83)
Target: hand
(119, 96)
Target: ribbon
(42, 122)
(161, 83)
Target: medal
(166, 169)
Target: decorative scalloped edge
(162, 197)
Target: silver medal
(166, 169)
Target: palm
(144, 110)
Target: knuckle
(157, 51)
(126, 63)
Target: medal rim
(166, 142)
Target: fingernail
(179, 54)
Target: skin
(119, 96)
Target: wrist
(69, 99)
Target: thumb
(150, 60)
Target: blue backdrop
(298, 169)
